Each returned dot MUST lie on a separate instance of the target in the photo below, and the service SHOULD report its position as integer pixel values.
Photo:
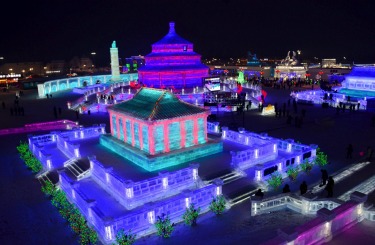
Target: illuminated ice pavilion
(172, 63)
(156, 130)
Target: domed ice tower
(172, 64)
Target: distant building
(133, 63)
(23, 68)
(172, 63)
(327, 63)
(249, 71)
(56, 67)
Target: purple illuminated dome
(172, 64)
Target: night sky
(52, 30)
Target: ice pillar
(114, 62)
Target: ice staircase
(237, 188)
(48, 176)
(226, 176)
(78, 168)
(239, 191)
(242, 197)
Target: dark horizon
(46, 31)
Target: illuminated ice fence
(330, 220)
(124, 204)
(334, 99)
(66, 141)
(133, 194)
(57, 85)
(266, 153)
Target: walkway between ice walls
(333, 216)
(58, 85)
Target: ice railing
(320, 96)
(132, 194)
(142, 219)
(327, 224)
(84, 133)
(54, 125)
(213, 127)
(258, 154)
(45, 139)
(37, 145)
(288, 145)
(301, 204)
(295, 155)
(70, 149)
(370, 213)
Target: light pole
(93, 61)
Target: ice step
(43, 178)
(232, 178)
(242, 197)
(226, 177)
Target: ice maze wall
(133, 194)
(264, 152)
(141, 219)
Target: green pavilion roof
(156, 104)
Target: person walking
(259, 193)
(349, 151)
(286, 188)
(329, 186)
(303, 188)
(324, 177)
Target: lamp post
(93, 60)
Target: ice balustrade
(84, 133)
(60, 124)
(132, 194)
(75, 82)
(70, 149)
(369, 214)
(44, 157)
(257, 154)
(141, 220)
(298, 154)
(86, 206)
(304, 205)
(320, 96)
(327, 224)
(36, 146)
(244, 137)
(41, 140)
(213, 127)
